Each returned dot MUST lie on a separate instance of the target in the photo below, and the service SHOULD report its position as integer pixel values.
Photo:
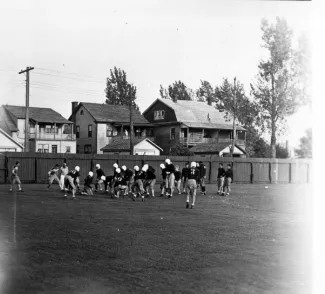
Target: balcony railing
(52, 136)
(198, 140)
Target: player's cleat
(227, 194)
(187, 205)
(65, 197)
(10, 190)
(142, 198)
(192, 206)
(204, 193)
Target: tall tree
(277, 90)
(246, 115)
(206, 93)
(118, 90)
(246, 110)
(306, 144)
(176, 91)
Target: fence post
(210, 170)
(35, 170)
(6, 169)
(270, 172)
(252, 173)
(290, 176)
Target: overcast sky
(74, 44)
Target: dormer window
(159, 114)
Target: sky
(73, 45)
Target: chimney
(74, 105)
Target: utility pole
(234, 122)
(131, 122)
(27, 107)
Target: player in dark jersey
(185, 172)
(88, 189)
(150, 180)
(120, 184)
(228, 180)
(163, 183)
(170, 178)
(178, 179)
(220, 178)
(99, 181)
(70, 181)
(192, 184)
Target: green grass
(257, 240)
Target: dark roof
(119, 144)
(212, 147)
(7, 122)
(198, 114)
(113, 113)
(38, 114)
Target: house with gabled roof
(101, 125)
(141, 146)
(49, 131)
(193, 124)
(8, 143)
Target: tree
(278, 89)
(118, 90)
(305, 147)
(246, 110)
(206, 93)
(176, 91)
(180, 150)
(281, 152)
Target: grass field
(257, 240)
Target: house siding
(146, 147)
(162, 137)
(8, 145)
(83, 121)
(169, 113)
(102, 139)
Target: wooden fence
(34, 167)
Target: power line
(53, 86)
(69, 73)
(68, 91)
(67, 77)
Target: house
(8, 143)
(220, 149)
(97, 125)
(49, 131)
(190, 123)
(141, 146)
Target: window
(149, 132)
(109, 131)
(78, 151)
(51, 129)
(67, 149)
(241, 135)
(172, 133)
(90, 131)
(43, 148)
(87, 149)
(54, 148)
(81, 112)
(77, 131)
(159, 114)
